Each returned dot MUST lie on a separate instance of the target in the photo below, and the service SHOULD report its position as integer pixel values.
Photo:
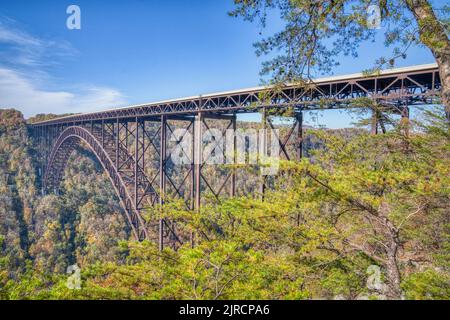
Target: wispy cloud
(22, 49)
(24, 79)
(17, 91)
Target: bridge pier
(233, 173)
(263, 144)
(162, 177)
(299, 119)
(198, 160)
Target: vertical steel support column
(299, 117)
(233, 174)
(42, 143)
(193, 170)
(117, 143)
(103, 133)
(44, 146)
(264, 149)
(126, 135)
(48, 134)
(193, 155)
(198, 158)
(144, 134)
(162, 177)
(299, 144)
(45, 135)
(136, 157)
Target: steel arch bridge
(132, 143)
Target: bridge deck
(409, 85)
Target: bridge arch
(65, 144)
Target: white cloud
(23, 76)
(21, 49)
(19, 92)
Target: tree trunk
(393, 291)
(444, 71)
(432, 34)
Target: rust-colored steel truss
(132, 143)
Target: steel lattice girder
(416, 85)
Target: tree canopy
(317, 34)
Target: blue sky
(136, 51)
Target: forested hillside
(368, 218)
(46, 234)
